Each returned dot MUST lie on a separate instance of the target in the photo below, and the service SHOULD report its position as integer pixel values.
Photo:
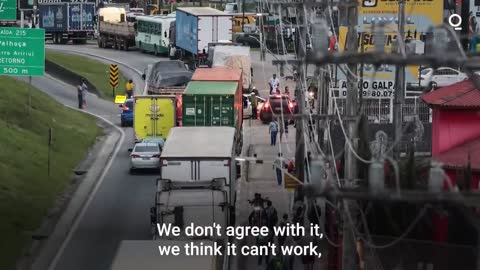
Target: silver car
(145, 156)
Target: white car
(145, 156)
(440, 77)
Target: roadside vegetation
(26, 190)
(94, 71)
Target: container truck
(196, 154)
(65, 21)
(144, 255)
(114, 30)
(207, 103)
(153, 116)
(196, 27)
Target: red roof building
(456, 127)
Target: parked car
(275, 105)
(126, 117)
(440, 77)
(158, 140)
(145, 156)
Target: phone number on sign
(373, 93)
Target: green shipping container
(216, 103)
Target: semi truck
(196, 154)
(196, 27)
(153, 116)
(114, 30)
(65, 21)
(144, 255)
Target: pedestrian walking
(254, 103)
(83, 89)
(129, 86)
(80, 96)
(273, 130)
(271, 215)
(278, 166)
(286, 128)
(283, 223)
(282, 131)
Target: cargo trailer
(196, 27)
(114, 30)
(65, 21)
(154, 116)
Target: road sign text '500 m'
(22, 52)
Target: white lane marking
(92, 194)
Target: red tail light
(135, 156)
(156, 156)
(267, 105)
(290, 105)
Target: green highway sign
(8, 10)
(22, 51)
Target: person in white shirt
(274, 84)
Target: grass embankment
(26, 190)
(95, 72)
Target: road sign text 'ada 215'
(22, 52)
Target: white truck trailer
(196, 154)
(196, 27)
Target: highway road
(120, 208)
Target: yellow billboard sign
(420, 14)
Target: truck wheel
(99, 42)
(125, 45)
(140, 47)
(55, 39)
(115, 44)
(63, 41)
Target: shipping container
(212, 104)
(65, 21)
(196, 27)
(221, 74)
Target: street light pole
(399, 98)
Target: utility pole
(399, 98)
(243, 16)
(300, 95)
(349, 245)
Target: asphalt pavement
(119, 210)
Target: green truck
(214, 103)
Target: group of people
(274, 84)
(270, 220)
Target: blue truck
(196, 27)
(67, 21)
